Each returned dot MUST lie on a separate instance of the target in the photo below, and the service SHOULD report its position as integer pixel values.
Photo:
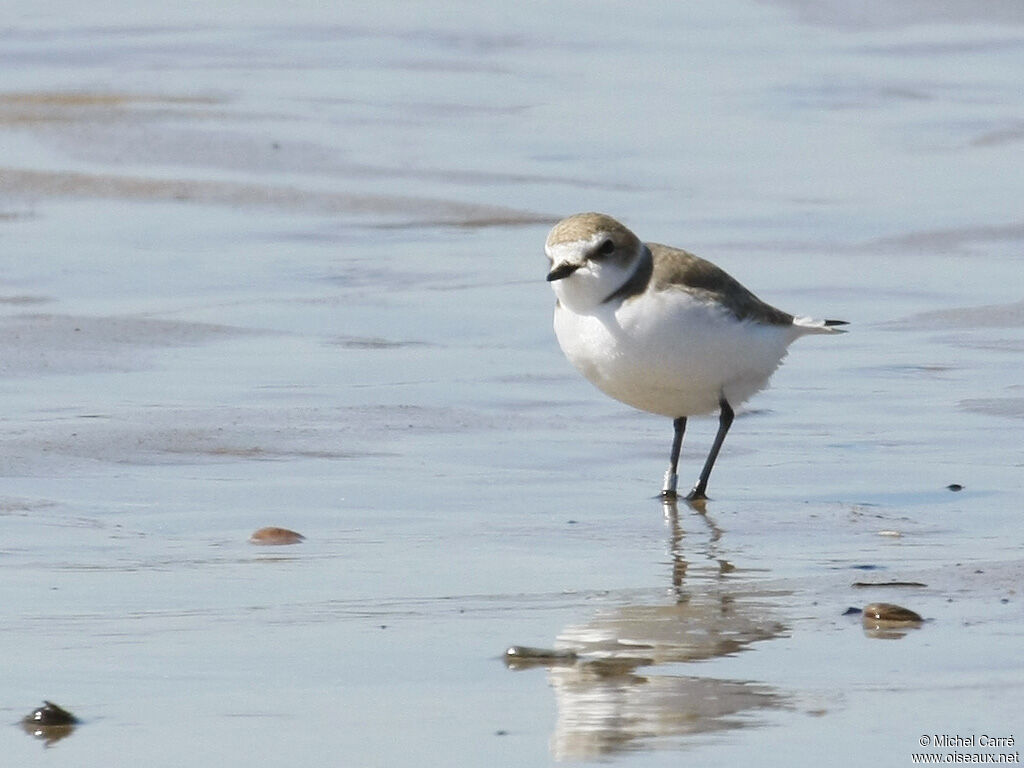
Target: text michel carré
(945, 740)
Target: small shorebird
(663, 330)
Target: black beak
(562, 270)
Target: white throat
(586, 289)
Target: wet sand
(286, 271)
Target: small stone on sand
(272, 535)
(889, 613)
(525, 657)
(546, 654)
(50, 714)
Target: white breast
(670, 353)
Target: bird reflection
(708, 551)
(48, 734)
(618, 679)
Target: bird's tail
(810, 325)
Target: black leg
(668, 488)
(724, 422)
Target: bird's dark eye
(606, 248)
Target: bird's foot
(697, 493)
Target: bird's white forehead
(572, 250)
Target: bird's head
(592, 255)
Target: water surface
(268, 266)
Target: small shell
(544, 654)
(50, 714)
(889, 613)
(272, 535)
(525, 657)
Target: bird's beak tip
(561, 271)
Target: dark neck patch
(638, 281)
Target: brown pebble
(50, 714)
(272, 535)
(890, 614)
(546, 654)
(525, 657)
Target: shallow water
(284, 267)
